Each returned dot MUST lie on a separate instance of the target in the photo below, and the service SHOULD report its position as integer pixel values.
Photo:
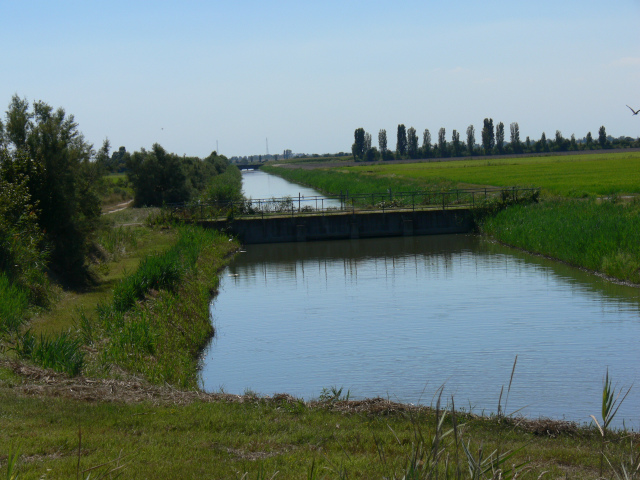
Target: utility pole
(267, 147)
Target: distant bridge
(249, 166)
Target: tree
(455, 143)
(401, 143)
(48, 149)
(515, 137)
(602, 137)
(561, 143)
(500, 138)
(589, 140)
(471, 139)
(426, 143)
(358, 147)
(543, 144)
(382, 142)
(412, 143)
(442, 143)
(573, 144)
(488, 139)
(367, 141)
(157, 177)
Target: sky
(194, 76)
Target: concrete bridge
(249, 166)
(348, 225)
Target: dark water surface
(399, 317)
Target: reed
(599, 236)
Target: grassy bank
(600, 236)
(155, 432)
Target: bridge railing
(345, 202)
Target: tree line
(51, 181)
(492, 142)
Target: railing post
(443, 207)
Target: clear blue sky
(305, 75)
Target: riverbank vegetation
(586, 214)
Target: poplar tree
(412, 143)
(488, 139)
(471, 139)
(426, 143)
(382, 142)
(401, 143)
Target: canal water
(400, 317)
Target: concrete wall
(342, 226)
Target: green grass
(14, 303)
(161, 338)
(61, 352)
(285, 438)
(569, 176)
(603, 237)
(355, 180)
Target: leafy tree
(442, 143)
(471, 139)
(426, 143)
(157, 177)
(22, 253)
(561, 143)
(401, 143)
(543, 145)
(61, 179)
(367, 142)
(412, 143)
(515, 138)
(358, 147)
(382, 142)
(589, 140)
(500, 138)
(455, 143)
(602, 137)
(573, 144)
(488, 139)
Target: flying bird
(635, 112)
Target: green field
(568, 176)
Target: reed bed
(599, 236)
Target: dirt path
(116, 208)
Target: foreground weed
(12, 464)
(611, 402)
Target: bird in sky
(635, 112)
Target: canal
(400, 317)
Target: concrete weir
(310, 227)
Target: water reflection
(391, 316)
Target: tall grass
(342, 180)
(602, 237)
(162, 338)
(60, 352)
(14, 302)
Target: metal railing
(345, 202)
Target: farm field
(574, 176)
